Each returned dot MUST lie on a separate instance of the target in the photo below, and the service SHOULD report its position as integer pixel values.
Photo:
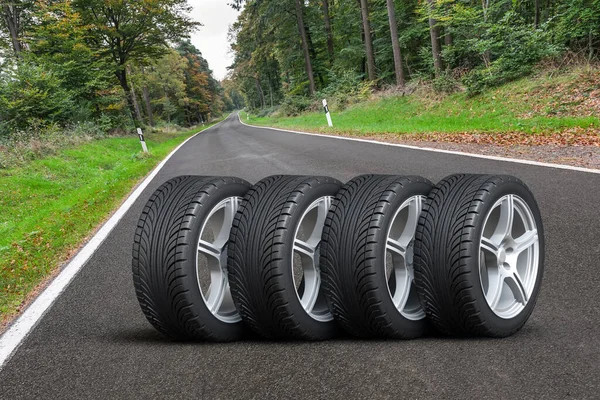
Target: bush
(295, 105)
(512, 48)
(445, 84)
(346, 88)
(41, 140)
(30, 94)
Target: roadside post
(327, 114)
(141, 135)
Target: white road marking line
(457, 153)
(22, 327)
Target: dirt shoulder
(575, 147)
(579, 148)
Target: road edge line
(20, 329)
(430, 149)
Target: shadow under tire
(479, 255)
(366, 256)
(179, 258)
(273, 262)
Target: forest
(291, 53)
(96, 66)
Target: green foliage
(510, 49)
(33, 95)
(295, 105)
(445, 84)
(578, 25)
(92, 61)
(484, 44)
(346, 87)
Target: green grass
(531, 106)
(49, 206)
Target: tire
(184, 219)
(477, 274)
(366, 253)
(279, 219)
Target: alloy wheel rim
(306, 273)
(399, 259)
(211, 261)
(509, 256)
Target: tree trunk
(136, 106)
(434, 31)
(364, 10)
(148, 106)
(395, 43)
(448, 41)
(328, 30)
(122, 77)
(537, 14)
(11, 18)
(313, 54)
(261, 94)
(305, 49)
(147, 103)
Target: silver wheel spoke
(507, 215)
(525, 241)
(216, 296)
(489, 246)
(404, 291)
(225, 222)
(396, 247)
(308, 301)
(304, 249)
(209, 249)
(515, 284)
(495, 291)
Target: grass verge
(49, 206)
(537, 106)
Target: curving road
(95, 343)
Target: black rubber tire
(447, 255)
(260, 257)
(164, 257)
(353, 255)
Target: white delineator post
(327, 114)
(141, 135)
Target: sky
(211, 39)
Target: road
(95, 343)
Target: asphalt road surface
(95, 343)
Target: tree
(14, 15)
(364, 10)
(305, 48)
(434, 31)
(395, 43)
(58, 43)
(134, 30)
(328, 30)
